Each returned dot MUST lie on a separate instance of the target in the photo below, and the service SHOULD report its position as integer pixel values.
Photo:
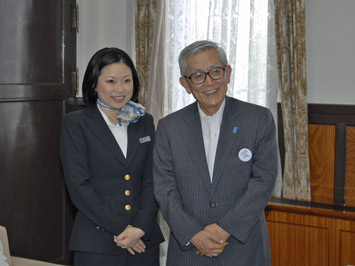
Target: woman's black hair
(99, 60)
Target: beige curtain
(156, 83)
(145, 21)
(291, 55)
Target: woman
(106, 152)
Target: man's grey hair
(198, 47)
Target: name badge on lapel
(145, 139)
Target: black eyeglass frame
(205, 73)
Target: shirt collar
(108, 122)
(218, 114)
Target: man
(215, 163)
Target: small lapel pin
(144, 139)
(235, 130)
(245, 155)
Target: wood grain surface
(321, 157)
(350, 168)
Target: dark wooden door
(37, 58)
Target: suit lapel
(228, 137)
(97, 124)
(192, 131)
(133, 132)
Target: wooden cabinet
(309, 236)
(37, 61)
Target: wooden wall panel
(322, 156)
(350, 168)
(347, 241)
(327, 223)
(298, 244)
(302, 235)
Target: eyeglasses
(200, 77)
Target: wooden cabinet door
(37, 58)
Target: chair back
(4, 247)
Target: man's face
(211, 93)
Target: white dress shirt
(119, 132)
(210, 131)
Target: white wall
(330, 44)
(104, 23)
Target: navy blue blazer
(109, 190)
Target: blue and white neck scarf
(130, 113)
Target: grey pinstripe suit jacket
(239, 192)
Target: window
(239, 26)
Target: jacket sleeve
(146, 216)
(182, 225)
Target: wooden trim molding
(340, 164)
(350, 167)
(312, 208)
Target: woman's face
(115, 85)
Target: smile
(211, 91)
(118, 98)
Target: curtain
(291, 54)
(156, 83)
(240, 27)
(145, 21)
